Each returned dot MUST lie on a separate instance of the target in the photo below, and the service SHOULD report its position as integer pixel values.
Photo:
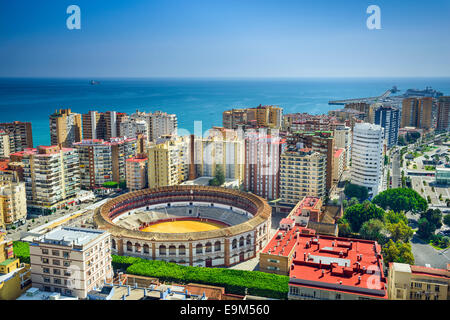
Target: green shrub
(234, 281)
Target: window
(44, 251)
(66, 263)
(436, 288)
(46, 270)
(273, 260)
(56, 262)
(57, 281)
(44, 260)
(66, 255)
(46, 280)
(56, 271)
(55, 252)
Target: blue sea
(191, 99)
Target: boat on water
(93, 82)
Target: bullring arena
(189, 225)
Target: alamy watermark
(74, 20)
(374, 20)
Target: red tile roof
(353, 266)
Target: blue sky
(228, 38)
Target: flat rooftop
(70, 236)
(339, 264)
(284, 241)
(307, 203)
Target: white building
(132, 127)
(367, 157)
(343, 140)
(71, 261)
(159, 123)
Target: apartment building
(102, 125)
(339, 160)
(360, 107)
(408, 282)
(20, 135)
(343, 140)
(104, 161)
(71, 261)
(225, 149)
(417, 112)
(262, 163)
(51, 175)
(306, 122)
(5, 144)
(302, 173)
(14, 277)
(388, 118)
(367, 157)
(13, 203)
(137, 172)
(167, 161)
(11, 171)
(261, 116)
(65, 128)
(443, 114)
(133, 127)
(319, 141)
(159, 123)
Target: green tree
(353, 201)
(110, 184)
(353, 190)
(398, 252)
(357, 214)
(344, 228)
(219, 177)
(401, 199)
(447, 220)
(395, 217)
(400, 231)
(434, 216)
(373, 230)
(426, 229)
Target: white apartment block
(71, 261)
(159, 123)
(367, 157)
(132, 127)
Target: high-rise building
(167, 165)
(389, 119)
(104, 161)
(20, 135)
(417, 112)
(262, 163)
(320, 141)
(443, 114)
(51, 174)
(224, 149)
(302, 173)
(261, 116)
(367, 157)
(102, 125)
(13, 203)
(65, 128)
(71, 261)
(5, 144)
(131, 128)
(361, 107)
(343, 140)
(159, 123)
(137, 172)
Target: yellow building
(418, 283)
(65, 128)
(14, 276)
(13, 203)
(167, 164)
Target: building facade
(443, 114)
(102, 125)
(71, 261)
(262, 163)
(51, 174)
(408, 282)
(417, 112)
(137, 172)
(389, 119)
(20, 135)
(13, 203)
(367, 157)
(65, 128)
(5, 144)
(302, 173)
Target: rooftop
(36, 294)
(284, 241)
(307, 203)
(339, 264)
(68, 236)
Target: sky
(228, 38)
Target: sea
(191, 100)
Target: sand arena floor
(182, 226)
